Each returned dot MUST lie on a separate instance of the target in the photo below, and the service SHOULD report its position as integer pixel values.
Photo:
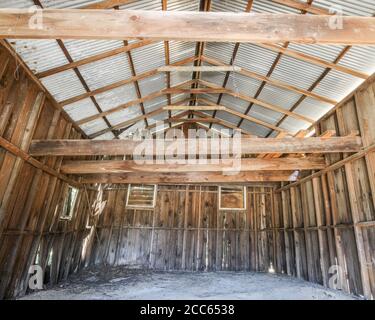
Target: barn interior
(95, 93)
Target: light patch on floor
(126, 284)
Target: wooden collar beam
(248, 146)
(200, 69)
(192, 177)
(253, 164)
(185, 26)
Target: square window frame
(69, 218)
(151, 207)
(234, 209)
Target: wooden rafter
(316, 83)
(315, 60)
(164, 4)
(238, 114)
(248, 9)
(78, 73)
(119, 84)
(303, 6)
(136, 84)
(39, 84)
(274, 82)
(204, 6)
(186, 26)
(242, 116)
(258, 102)
(131, 121)
(273, 67)
(128, 104)
(107, 4)
(224, 124)
(93, 58)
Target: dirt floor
(126, 284)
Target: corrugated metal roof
(254, 58)
(20, 4)
(81, 49)
(42, 55)
(105, 72)
(350, 7)
(116, 97)
(75, 109)
(61, 4)
(64, 85)
(179, 50)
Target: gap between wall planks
(345, 194)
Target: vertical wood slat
(189, 232)
(31, 198)
(343, 201)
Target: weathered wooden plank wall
(329, 220)
(31, 199)
(186, 231)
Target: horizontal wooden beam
(200, 69)
(122, 166)
(193, 120)
(196, 91)
(16, 151)
(186, 26)
(248, 146)
(195, 108)
(183, 178)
